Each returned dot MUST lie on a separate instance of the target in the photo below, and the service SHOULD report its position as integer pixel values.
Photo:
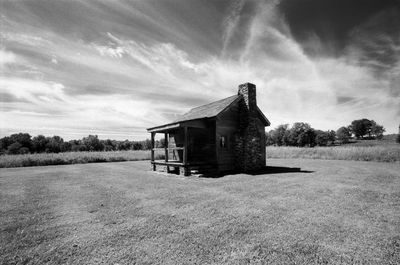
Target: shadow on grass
(277, 170)
(263, 171)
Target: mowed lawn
(334, 212)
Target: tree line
(302, 134)
(23, 143)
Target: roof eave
(164, 127)
(175, 125)
(266, 121)
(230, 104)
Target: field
(358, 152)
(45, 159)
(327, 212)
(367, 150)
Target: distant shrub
(343, 134)
(23, 150)
(13, 148)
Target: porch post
(152, 150)
(166, 146)
(185, 151)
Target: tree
(22, 138)
(66, 147)
(398, 136)
(24, 150)
(13, 148)
(268, 138)
(54, 144)
(286, 137)
(162, 143)
(360, 128)
(92, 143)
(331, 136)
(277, 136)
(78, 147)
(300, 134)
(363, 127)
(321, 138)
(4, 143)
(124, 145)
(137, 146)
(39, 143)
(377, 130)
(146, 144)
(343, 134)
(306, 138)
(109, 145)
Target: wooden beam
(152, 150)
(164, 127)
(169, 163)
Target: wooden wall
(261, 129)
(227, 124)
(201, 144)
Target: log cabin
(227, 135)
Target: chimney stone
(248, 91)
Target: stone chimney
(248, 91)
(250, 141)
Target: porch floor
(185, 169)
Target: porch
(188, 146)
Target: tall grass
(359, 153)
(45, 159)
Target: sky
(114, 68)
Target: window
(223, 142)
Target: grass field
(330, 212)
(379, 153)
(371, 150)
(45, 159)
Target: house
(225, 135)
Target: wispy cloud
(6, 57)
(230, 23)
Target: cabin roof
(209, 110)
(205, 111)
